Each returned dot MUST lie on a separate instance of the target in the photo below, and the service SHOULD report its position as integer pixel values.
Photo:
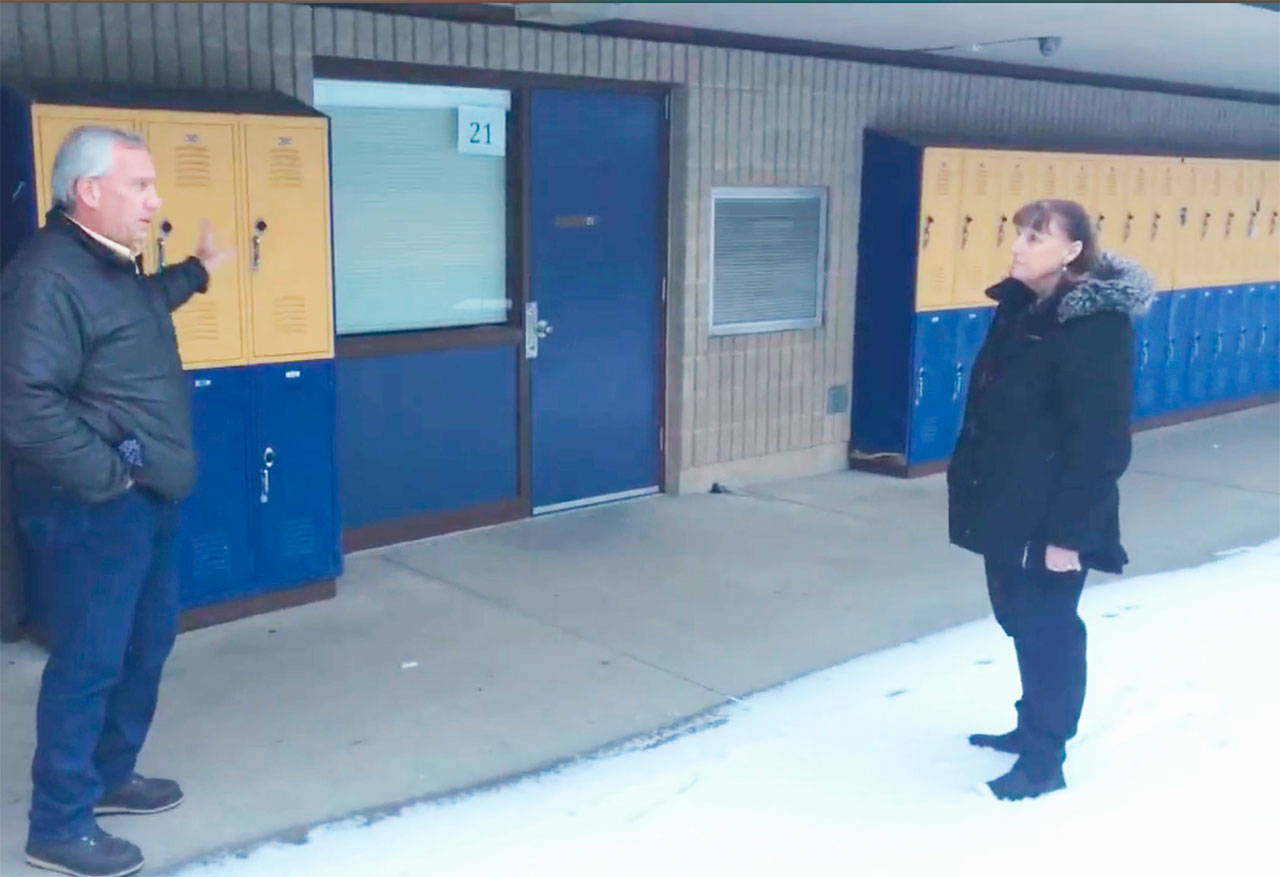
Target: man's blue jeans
(105, 573)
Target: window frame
(778, 193)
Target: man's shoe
(95, 855)
(1010, 742)
(139, 795)
(1027, 780)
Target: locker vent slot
(1051, 181)
(211, 554)
(285, 167)
(983, 180)
(942, 183)
(1140, 183)
(290, 314)
(1113, 183)
(199, 320)
(299, 539)
(1017, 180)
(193, 166)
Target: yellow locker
(1052, 171)
(285, 233)
(1080, 185)
(1240, 197)
(50, 124)
(1168, 181)
(1112, 215)
(1268, 224)
(1193, 217)
(938, 232)
(980, 257)
(1216, 222)
(196, 173)
(1019, 185)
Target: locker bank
(491, 266)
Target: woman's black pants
(1038, 608)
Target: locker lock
(260, 228)
(165, 227)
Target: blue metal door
(1269, 338)
(596, 197)
(971, 330)
(1151, 340)
(1204, 325)
(1250, 364)
(1178, 348)
(1225, 377)
(934, 411)
(213, 544)
(291, 464)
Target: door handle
(259, 228)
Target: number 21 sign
(482, 131)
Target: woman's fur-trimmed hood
(1117, 284)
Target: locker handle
(268, 460)
(1217, 344)
(1098, 224)
(1195, 345)
(259, 228)
(1226, 228)
(1155, 225)
(1275, 214)
(1168, 350)
(955, 390)
(1128, 227)
(964, 231)
(928, 225)
(1146, 349)
(1204, 225)
(1000, 231)
(1182, 215)
(165, 228)
(919, 384)
(1240, 340)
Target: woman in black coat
(1032, 481)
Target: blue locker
(213, 543)
(1224, 380)
(1151, 338)
(1269, 340)
(1178, 348)
(1204, 325)
(971, 331)
(291, 466)
(1247, 356)
(933, 410)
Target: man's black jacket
(88, 359)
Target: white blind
(767, 260)
(419, 230)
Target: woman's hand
(1061, 559)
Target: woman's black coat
(1046, 427)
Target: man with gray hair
(97, 421)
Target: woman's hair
(1074, 222)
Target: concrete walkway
(468, 659)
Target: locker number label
(482, 131)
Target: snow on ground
(864, 768)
